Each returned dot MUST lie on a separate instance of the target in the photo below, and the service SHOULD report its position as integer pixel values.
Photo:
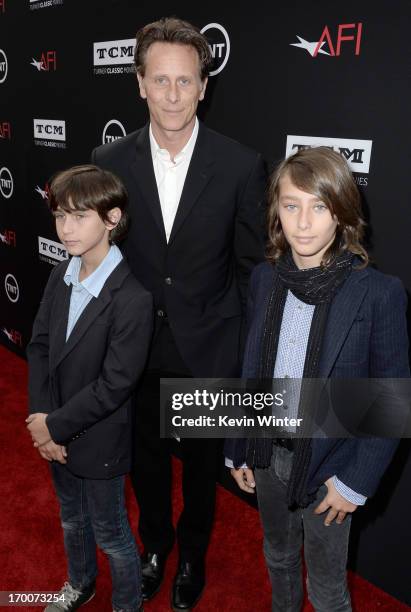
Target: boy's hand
(244, 477)
(36, 424)
(53, 452)
(338, 505)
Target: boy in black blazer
(89, 346)
(316, 310)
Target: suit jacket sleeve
(249, 235)
(38, 352)
(124, 361)
(388, 359)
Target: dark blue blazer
(365, 337)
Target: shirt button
(168, 281)
(299, 307)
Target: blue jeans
(325, 548)
(93, 512)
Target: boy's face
(84, 233)
(307, 223)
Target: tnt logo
(5, 130)
(113, 130)
(3, 66)
(13, 335)
(3, 6)
(219, 43)
(330, 43)
(6, 183)
(47, 62)
(9, 238)
(12, 288)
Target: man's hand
(53, 452)
(244, 477)
(338, 505)
(36, 424)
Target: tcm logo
(113, 130)
(3, 6)
(49, 129)
(219, 43)
(12, 288)
(8, 237)
(13, 335)
(6, 183)
(44, 193)
(114, 52)
(5, 130)
(47, 62)
(54, 250)
(346, 33)
(356, 152)
(4, 67)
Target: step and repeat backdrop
(285, 76)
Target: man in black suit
(196, 204)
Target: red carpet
(32, 555)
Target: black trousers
(152, 474)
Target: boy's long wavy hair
(325, 174)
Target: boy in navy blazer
(316, 310)
(89, 345)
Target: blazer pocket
(356, 346)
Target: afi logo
(9, 238)
(5, 130)
(13, 335)
(47, 61)
(3, 6)
(44, 193)
(346, 33)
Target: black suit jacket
(199, 279)
(85, 384)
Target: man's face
(172, 86)
(307, 223)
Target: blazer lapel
(93, 309)
(59, 324)
(340, 319)
(199, 173)
(143, 172)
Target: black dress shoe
(152, 574)
(188, 586)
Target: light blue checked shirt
(291, 351)
(83, 292)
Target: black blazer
(199, 279)
(85, 384)
(365, 337)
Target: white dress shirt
(171, 175)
